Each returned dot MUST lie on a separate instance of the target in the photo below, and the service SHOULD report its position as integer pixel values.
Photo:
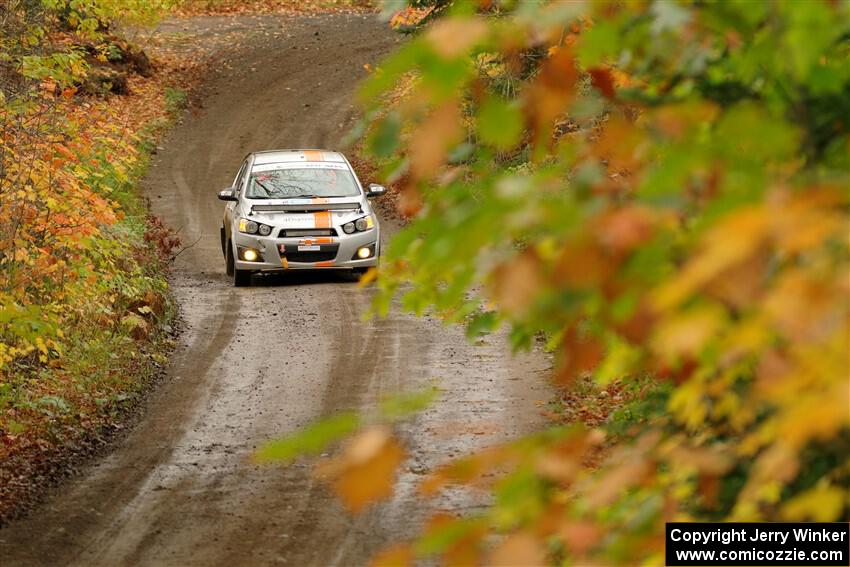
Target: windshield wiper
(264, 188)
(292, 191)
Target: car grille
(300, 232)
(310, 256)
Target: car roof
(288, 156)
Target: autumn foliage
(82, 286)
(659, 191)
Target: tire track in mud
(256, 363)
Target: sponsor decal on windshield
(299, 165)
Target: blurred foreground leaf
(365, 469)
(311, 440)
(400, 406)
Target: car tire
(241, 278)
(353, 275)
(229, 262)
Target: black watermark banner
(738, 543)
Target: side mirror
(227, 195)
(375, 190)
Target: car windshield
(294, 182)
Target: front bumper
(307, 253)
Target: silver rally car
(298, 210)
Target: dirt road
(259, 362)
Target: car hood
(307, 213)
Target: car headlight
(252, 227)
(248, 226)
(364, 224)
(348, 228)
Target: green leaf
(500, 123)
(598, 43)
(311, 440)
(384, 141)
(440, 539)
(56, 402)
(14, 427)
(482, 324)
(401, 406)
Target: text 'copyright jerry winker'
(742, 543)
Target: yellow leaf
(732, 241)
(815, 416)
(823, 503)
(367, 278)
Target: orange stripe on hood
(313, 155)
(322, 219)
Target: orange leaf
(583, 262)
(621, 144)
(686, 333)
(579, 354)
(409, 201)
(468, 470)
(516, 283)
(603, 81)
(62, 149)
(624, 229)
(430, 142)
(550, 94)
(452, 37)
(365, 470)
(519, 549)
(395, 556)
(579, 537)
(617, 481)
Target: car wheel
(353, 275)
(229, 262)
(241, 278)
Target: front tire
(229, 262)
(353, 275)
(241, 278)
